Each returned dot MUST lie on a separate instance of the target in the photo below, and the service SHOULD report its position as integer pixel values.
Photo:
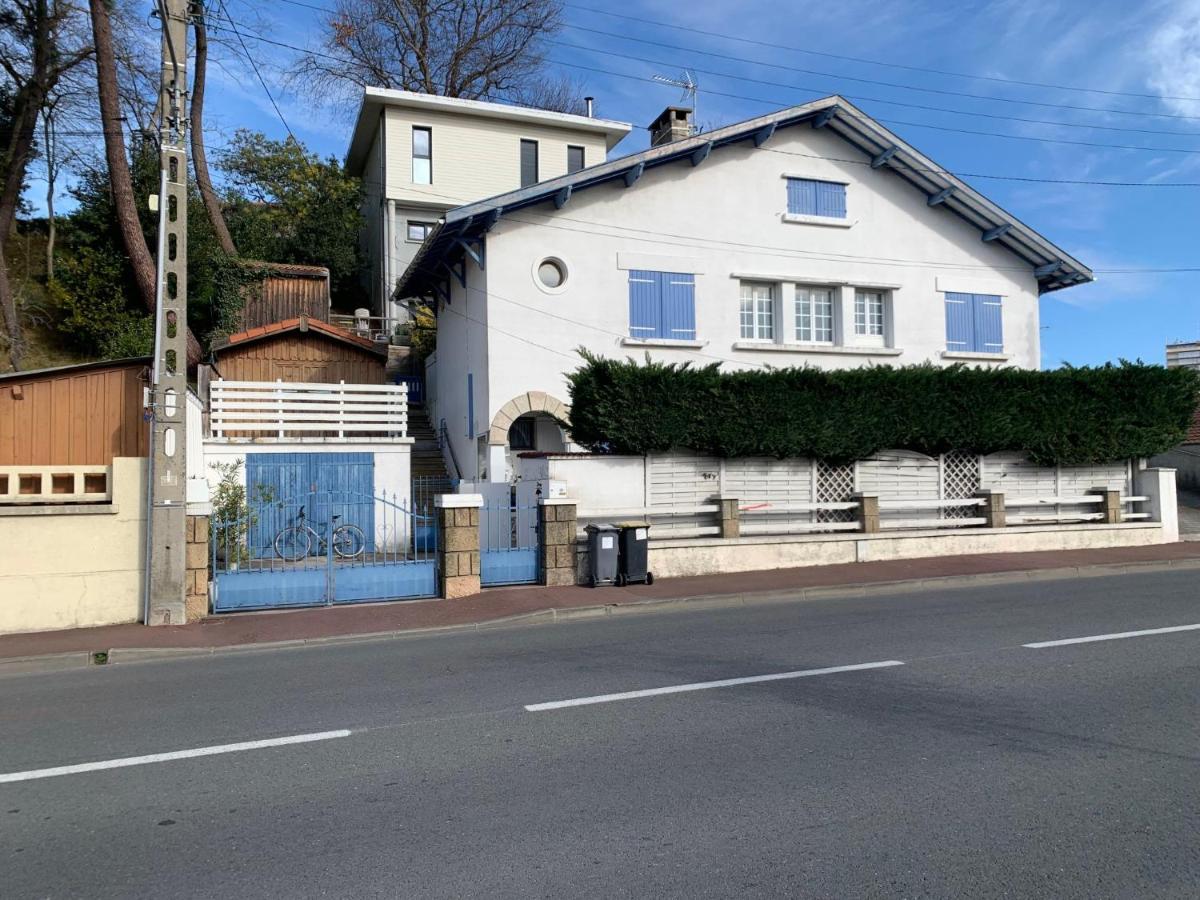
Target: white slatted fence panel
(901, 475)
(681, 480)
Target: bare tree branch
(475, 49)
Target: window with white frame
(422, 155)
(869, 313)
(814, 315)
(758, 311)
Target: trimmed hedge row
(1068, 416)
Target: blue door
(341, 484)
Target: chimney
(673, 124)
(588, 101)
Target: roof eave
(855, 127)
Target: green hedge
(1069, 416)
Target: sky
(1133, 115)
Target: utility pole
(167, 409)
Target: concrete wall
(677, 558)
(1185, 460)
(594, 483)
(75, 566)
(724, 221)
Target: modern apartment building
(1184, 355)
(420, 155)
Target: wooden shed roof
(298, 324)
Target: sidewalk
(493, 605)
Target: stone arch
(531, 402)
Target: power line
(776, 103)
(889, 121)
(876, 62)
(920, 106)
(254, 66)
(907, 87)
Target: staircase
(427, 459)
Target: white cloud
(1174, 55)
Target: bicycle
(295, 542)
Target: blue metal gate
(322, 547)
(508, 543)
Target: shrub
(1068, 416)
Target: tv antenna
(689, 85)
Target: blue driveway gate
(322, 547)
(508, 543)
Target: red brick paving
(498, 603)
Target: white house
(810, 236)
(420, 155)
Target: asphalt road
(978, 768)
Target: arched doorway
(534, 421)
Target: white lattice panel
(960, 481)
(835, 484)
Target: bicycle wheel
(348, 541)
(293, 544)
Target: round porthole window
(551, 273)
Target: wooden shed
(299, 350)
(74, 415)
(285, 291)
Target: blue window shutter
(989, 326)
(644, 306)
(802, 197)
(831, 199)
(470, 405)
(960, 321)
(678, 306)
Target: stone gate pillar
(458, 544)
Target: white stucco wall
(595, 483)
(722, 221)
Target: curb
(82, 659)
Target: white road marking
(1112, 637)
(707, 685)
(173, 755)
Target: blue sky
(1144, 48)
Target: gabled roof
(376, 99)
(301, 324)
(1053, 266)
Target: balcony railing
(276, 410)
(375, 328)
